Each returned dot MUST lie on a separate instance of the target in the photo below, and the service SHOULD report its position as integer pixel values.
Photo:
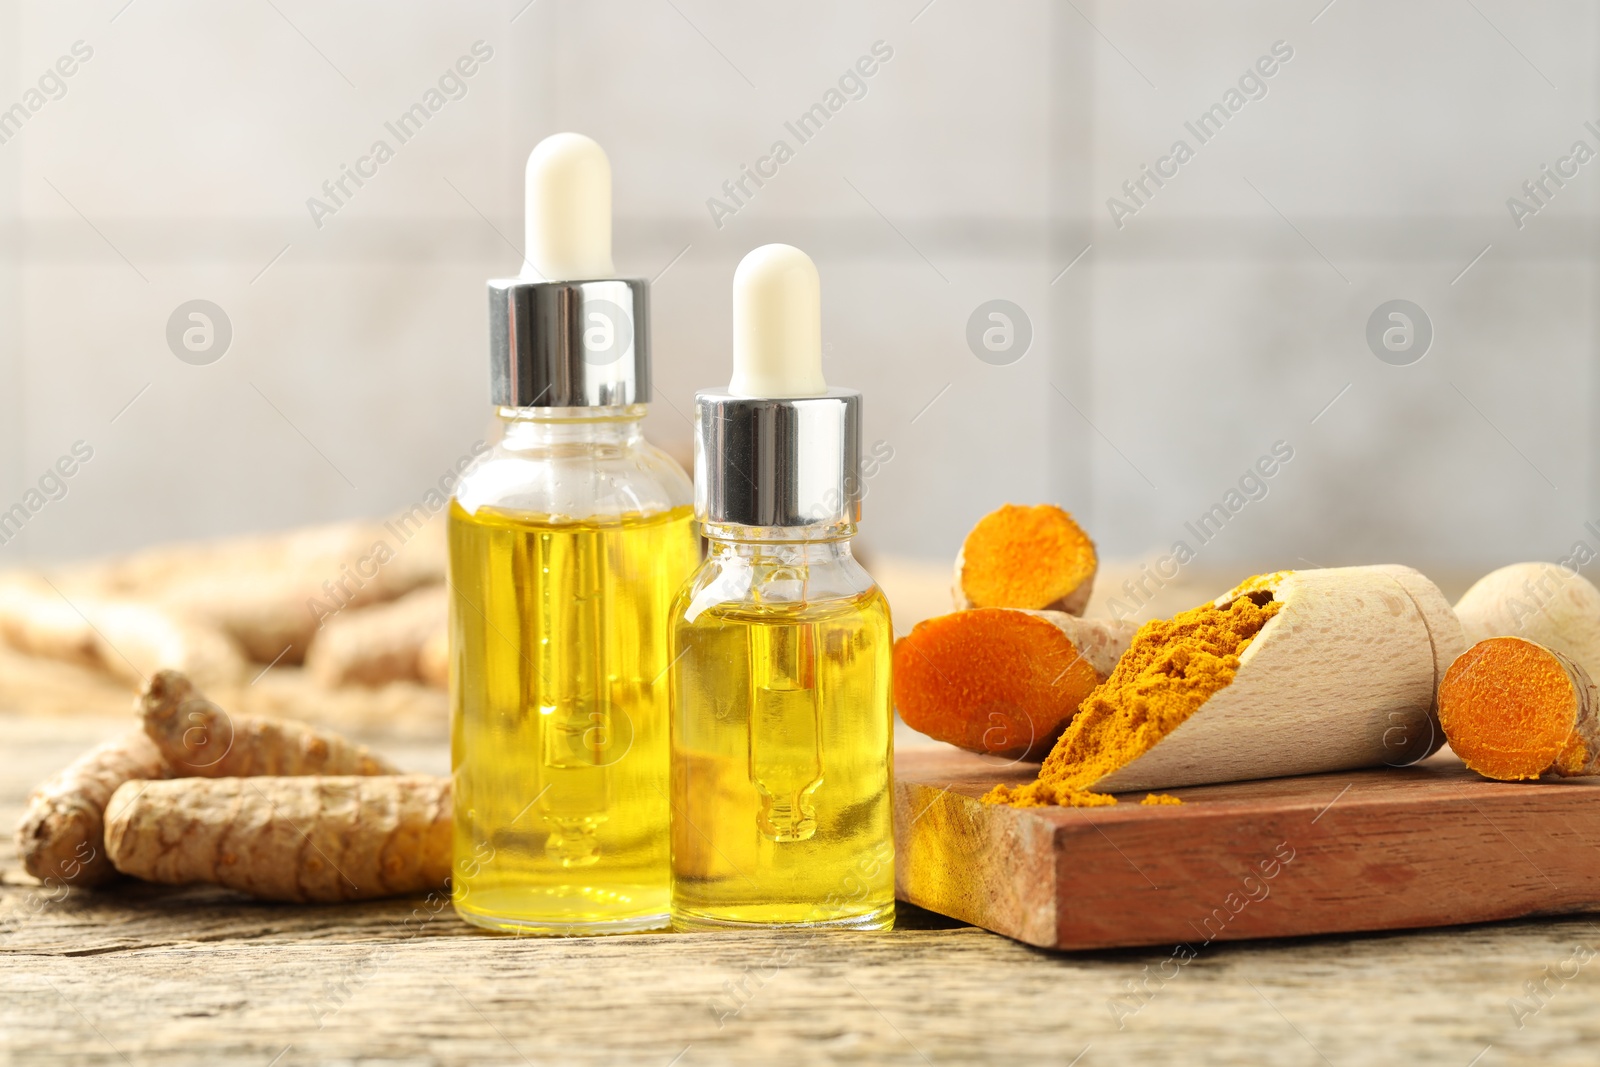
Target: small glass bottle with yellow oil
(568, 541)
(781, 715)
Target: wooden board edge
(936, 828)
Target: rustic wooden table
(141, 974)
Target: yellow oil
(781, 750)
(559, 740)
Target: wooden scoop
(1345, 675)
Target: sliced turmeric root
(1513, 709)
(1002, 681)
(1026, 557)
(1543, 602)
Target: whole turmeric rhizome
(1277, 677)
(280, 810)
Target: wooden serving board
(1428, 845)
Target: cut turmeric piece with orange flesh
(1171, 669)
(999, 681)
(1026, 557)
(1513, 709)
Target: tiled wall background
(1222, 317)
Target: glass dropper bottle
(567, 543)
(781, 715)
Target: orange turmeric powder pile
(1172, 668)
(1026, 557)
(1513, 709)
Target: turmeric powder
(1513, 709)
(1001, 681)
(1158, 799)
(1171, 669)
(1026, 557)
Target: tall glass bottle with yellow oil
(781, 716)
(568, 541)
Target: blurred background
(1156, 340)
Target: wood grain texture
(1429, 845)
(147, 974)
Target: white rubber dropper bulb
(568, 210)
(777, 325)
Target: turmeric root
(378, 644)
(61, 834)
(125, 639)
(1514, 709)
(1558, 608)
(35, 621)
(183, 734)
(271, 593)
(198, 738)
(1002, 681)
(1026, 557)
(433, 660)
(320, 839)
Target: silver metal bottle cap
(569, 344)
(763, 462)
